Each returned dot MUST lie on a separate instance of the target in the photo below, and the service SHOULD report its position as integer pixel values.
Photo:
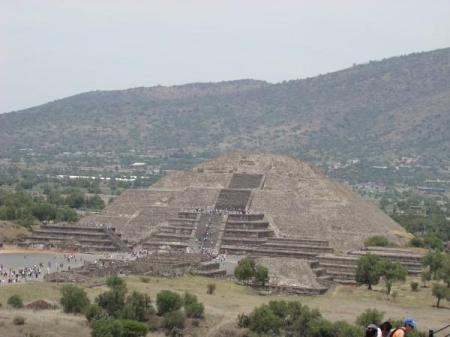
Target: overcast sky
(53, 49)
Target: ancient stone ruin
(266, 206)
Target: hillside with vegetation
(379, 110)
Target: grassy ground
(340, 303)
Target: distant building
(138, 164)
(431, 189)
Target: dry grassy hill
(379, 110)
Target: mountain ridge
(394, 107)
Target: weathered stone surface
(296, 198)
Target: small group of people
(9, 275)
(208, 241)
(386, 329)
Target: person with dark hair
(371, 331)
(386, 328)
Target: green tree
(44, 211)
(279, 308)
(66, 214)
(94, 313)
(263, 321)
(369, 316)
(443, 272)
(174, 319)
(440, 292)
(434, 261)
(95, 202)
(245, 270)
(261, 275)
(391, 272)
(113, 301)
(75, 199)
(138, 307)
(367, 271)
(73, 298)
(425, 276)
(167, 301)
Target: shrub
(113, 301)
(19, 320)
(377, 240)
(168, 301)
(245, 269)
(132, 328)
(279, 308)
(211, 288)
(145, 279)
(416, 242)
(243, 321)
(194, 310)
(73, 299)
(115, 282)
(106, 328)
(414, 286)
(261, 275)
(137, 307)
(189, 298)
(15, 301)
(343, 329)
(94, 313)
(264, 321)
(174, 319)
(370, 316)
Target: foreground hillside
(221, 308)
(398, 106)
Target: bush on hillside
(261, 275)
(168, 301)
(113, 301)
(94, 313)
(369, 316)
(264, 321)
(194, 310)
(15, 301)
(106, 328)
(132, 328)
(73, 299)
(138, 307)
(211, 288)
(377, 240)
(174, 319)
(245, 270)
(189, 298)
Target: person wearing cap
(371, 331)
(409, 324)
